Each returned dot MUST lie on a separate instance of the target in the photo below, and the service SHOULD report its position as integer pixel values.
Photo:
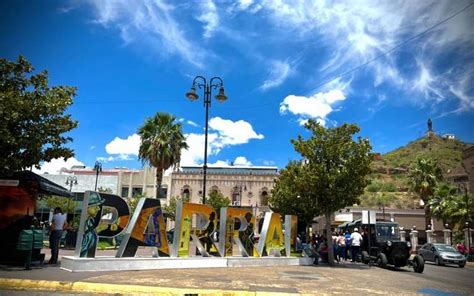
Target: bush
(389, 187)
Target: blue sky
(282, 63)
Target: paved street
(344, 278)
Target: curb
(88, 287)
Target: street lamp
(71, 180)
(214, 83)
(98, 169)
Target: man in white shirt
(356, 241)
(58, 223)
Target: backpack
(348, 239)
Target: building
(449, 136)
(248, 186)
(243, 185)
(463, 175)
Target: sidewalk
(344, 278)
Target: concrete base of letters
(75, 264)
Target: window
(186, 194)
(163, 191)
(124, 191)
(264, 198)
(136, 191)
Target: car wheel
(418, 264)
(365, 257)
(462, 265)
(382, 260)
(437, 262)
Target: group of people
(346, 246)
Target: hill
(389, 186)
(447, 152)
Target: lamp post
(214, 83)
(72, 180)
(97, 169)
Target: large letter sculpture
(236, 227)
(95, 224)
(205, 224)
(291, 228)
(147, 228)
(271, 241)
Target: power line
(317, 86)
(396, 47)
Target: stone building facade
(247, 186)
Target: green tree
(217, 200)
(162, 140)
(450, 206)
(104, 189)
(67, 205)
(132, 202)
(335, 170)
(33, 117)
(170, 208)
(423, 178)
(292, 195)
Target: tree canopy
(217, 200)
(450, 206)
(332, 174)
(161, 142)
(170, 208)
(292, 194)
(423, 178)
(33, 117)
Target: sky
(386, 66)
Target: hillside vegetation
(389, 185)
(448, 153)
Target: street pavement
(345, 278)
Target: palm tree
(161, 143)
(423, 179)
(449, 205)
(445, 204)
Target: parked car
(442, 254)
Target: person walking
(347, 236)
(356, 241)
(341, 244)
(58, 223)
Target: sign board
(12, 183)
(366, 215)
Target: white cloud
(123, 147)
(55, 165)
(195, 153)
(242, 160)
(151, 22)
(92, 147)
(244, 4)
(233, 132)
(317, 106)
(192, 123)
(209, 16)
(361, 31)
(223, 133)
(279, 72)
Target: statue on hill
(430, 125)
